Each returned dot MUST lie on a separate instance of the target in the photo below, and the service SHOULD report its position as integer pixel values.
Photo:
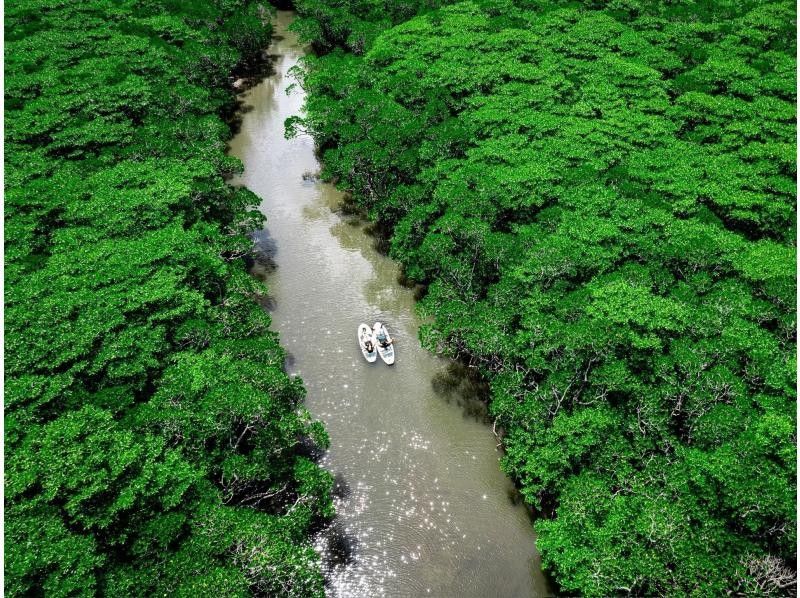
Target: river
(422, 506)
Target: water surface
(423, 508)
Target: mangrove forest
(592, 208)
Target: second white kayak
(384, 343)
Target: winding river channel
(423, 508)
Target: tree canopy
(154, 444)
(601, 199)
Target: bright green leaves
(269, 550)
(314, 483)
(627, 534)
(64, 563)
(761, 503)
(212, 395)
(771, 265)
(352, 23)
(618, 303)
(101, 305)
(99, 470)
(585, 436)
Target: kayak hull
(364, 334)
(387, 354)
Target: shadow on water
(265, 245)
(341, 488)
(266, 302)
(337, 548)
(260, 269)
(458, 385)
(349, 207)
(353, 215)
(380, 239)
(516, 499)
(246, 76)
(341, 546)
(261, 263)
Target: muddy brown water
(422, 506)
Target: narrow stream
(423, 508)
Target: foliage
(153, 441)
(600, 198)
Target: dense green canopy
(153, 441)
(600, 197)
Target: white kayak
(365, 334)
(387, 352)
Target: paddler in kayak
(381, 335)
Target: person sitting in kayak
(383, 339)
(368, 346)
